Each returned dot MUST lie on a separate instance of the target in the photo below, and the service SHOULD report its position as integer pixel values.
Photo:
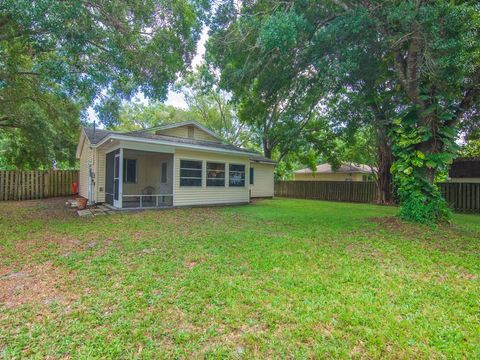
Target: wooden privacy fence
(460, 196)
(350, 191)
(36, 184)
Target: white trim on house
(169, 143)
(120, 186)
(263, 162)
(196, 177)
(173, 175)
(80, 143)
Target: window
(129, 170)
(251, 176)
(237, 175)
(163, 176)
(190, 173)
(215, 174)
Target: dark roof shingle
(97, 135)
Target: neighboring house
(324, 172)
(181, 164)
(465, 170)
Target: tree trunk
(384, 157)
(384, 163)
(267, 149)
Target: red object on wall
(74, 188)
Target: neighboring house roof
(98, 136)
(344, 168)
(465, 168)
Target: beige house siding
(178, 132)
(329, 177)
(100, 160)
(202, 135)
(262, 180)
(182, 131)
(97, 159)
(189, 195)
(86, 156)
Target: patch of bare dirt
(190, 264)
(393, 223)
(359, 351)
(43, 209)
(41, 242)
(467, 276)
(40, 284)
(61, 244)
(364, 250)
(325, 329)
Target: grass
(279, 278)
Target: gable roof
(344, 168)
(98, 136)
(95, 135)
(180, 124)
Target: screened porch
(139, 179)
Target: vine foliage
(415, 172)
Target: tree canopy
(206, 104)
(415, 63)
(59, 57)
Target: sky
(173, 98)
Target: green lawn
(279, 278)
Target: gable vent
(191, 131)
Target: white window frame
(125, 171)
(180, 177)
(224, 173)
(230, 176)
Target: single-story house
(465, 170)
(325, 172)
(181, 164)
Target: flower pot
(81, 203)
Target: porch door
(116, 180)
(164, 178)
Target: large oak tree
(429, 55)
(59, 57)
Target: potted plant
(81, 203)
